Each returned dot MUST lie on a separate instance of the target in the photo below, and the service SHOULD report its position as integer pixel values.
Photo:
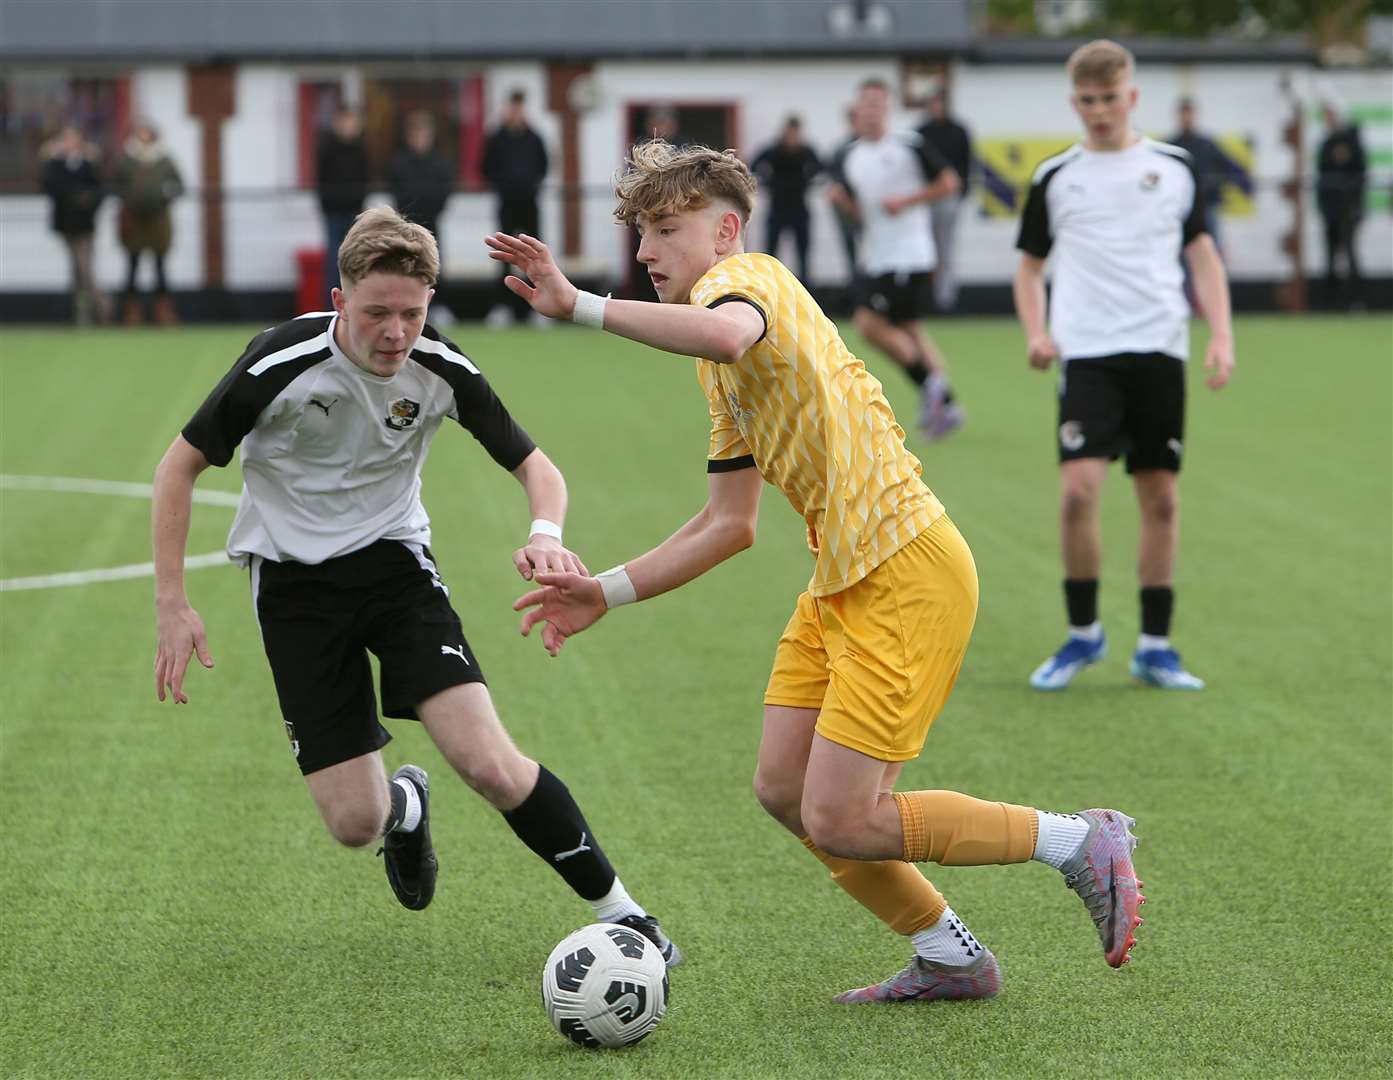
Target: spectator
(515, 164)
(1340, 177)
(421, 179)
(786, 169)
(341, 177)
(71, 178)
(954, 145)
(147, 182)
(1210, 164)
(848, 224)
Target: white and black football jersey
(898, 164)
(1113, 225)
(332, 454)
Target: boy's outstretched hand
(550, 293)
(565, 604)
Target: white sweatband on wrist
(590, 310)
(617, 587)
(543, 527)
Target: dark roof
(126, 30)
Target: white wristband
(590, 310)
(617, 587)
(543, 527)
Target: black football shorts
(898, 297)
(1130, 404)
(318, 624)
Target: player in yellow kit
(871, 651)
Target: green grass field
(172, 906)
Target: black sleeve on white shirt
(477, 407)
(230, 411)
(1034, 237)
(1194, 223)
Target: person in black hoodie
(420, 177)
(342, 181)
(71, 177)
(1341, 172)
(515, 164)
(786, 169)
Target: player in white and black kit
(1113, 214)
(888, 180)
(334, 413)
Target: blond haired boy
(334, 413)
(871, 651)
(1114, 213)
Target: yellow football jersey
(816, 424)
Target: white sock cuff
(1059, 837)
(1092, 632)
(411, 816)
(1147, 642)
(615, 904)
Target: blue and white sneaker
(1073, 656)
(1161, 667)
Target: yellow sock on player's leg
(957, 830)
(894, 892)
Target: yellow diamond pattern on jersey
(816, 423)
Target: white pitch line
(112, 573)
(78, 486)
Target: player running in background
(888, 179)
(874, 645)
(1115, 212)
(335, 412)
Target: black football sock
(551, 824)
(1157, 604)
(918, 371)
(1081, 598)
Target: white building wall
(268, 219)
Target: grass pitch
(173, 907)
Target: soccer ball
(605, 985)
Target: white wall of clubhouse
(268, 219)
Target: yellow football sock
(894, 892)
(958, 830)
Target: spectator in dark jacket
(515, 164)
(1210, 164)
(786, 169)
(147, 182)
(954, 145)
(421, 178)
(71, 177)
(341, 176)
(1341, 174)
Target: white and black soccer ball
(605, 985)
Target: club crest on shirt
(1150, 181)
(742, 417)
(402, 413)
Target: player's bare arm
(843, 199)
(946, 183)
(569, 603)
(546, 501)
(181, 632)
(1028, 288)
(1211, 286)
(718, 334)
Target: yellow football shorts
(879, 659)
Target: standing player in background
(335, 414)
(1116, 211)
(889, 179)
(874, 645)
